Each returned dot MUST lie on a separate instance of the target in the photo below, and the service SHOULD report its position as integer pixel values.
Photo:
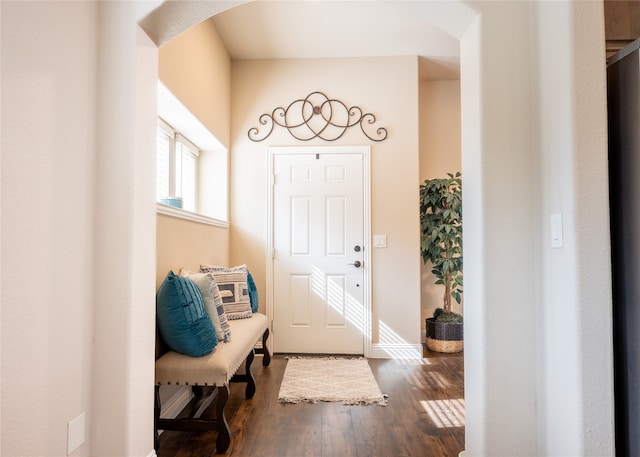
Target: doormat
(314, 379)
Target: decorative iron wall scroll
(318, 116)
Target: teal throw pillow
(182, 319)
(253, 292)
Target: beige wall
(440, 153)
(387, 87)
(440, 148)
(261, 86)
(195, 66)
(183, 243)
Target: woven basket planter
(444, 337)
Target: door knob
(356, 264)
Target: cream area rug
(314, 379)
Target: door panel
(335, 304)
(300, 293)
(318, 219)
(300, 226)
(336, 226)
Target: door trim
(365, 151)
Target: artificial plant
(441, 237)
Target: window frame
(212, 203)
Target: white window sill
(180, 213)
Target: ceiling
(335, 29)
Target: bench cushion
(217, 368)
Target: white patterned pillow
(208, 286)
(232, 283)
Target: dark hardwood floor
(424, 418)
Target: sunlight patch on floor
(395, 345)
(412, 362)
(445, 413)
(437, 380)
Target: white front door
(318, 236)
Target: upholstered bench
(215, 370)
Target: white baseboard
(176, 403)
(172, 407)
(396, 351)
(152, 454)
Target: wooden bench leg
(156, 417)
(197, 391)
(266, 359)
(247, 377)
(250, 390)
(224, 434)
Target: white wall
(260, 86)
(77, 214)
(574, 303)
(498, 194)
(538, 325)
(124, 301)
(48, 160)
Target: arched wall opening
(456, 18)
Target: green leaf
(441, 228)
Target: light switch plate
(379, 241)
(556, 231)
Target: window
(191, 164)
(177, 168)
(163, 154)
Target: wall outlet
(76, 433)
